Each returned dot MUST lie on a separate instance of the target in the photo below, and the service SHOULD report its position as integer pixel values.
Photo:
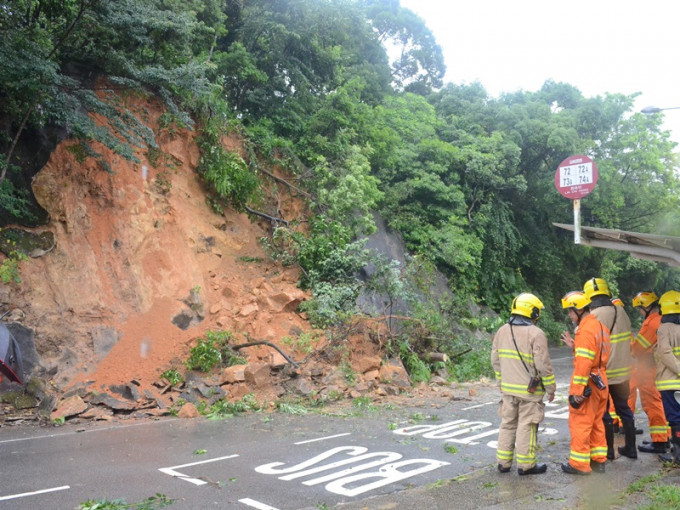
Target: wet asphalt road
(435, 454)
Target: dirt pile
(142, 267)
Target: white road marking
(43, 491)
(196, 481)
(479, 405)
(78, 432)
(324, 438)
(256, 504)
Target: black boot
(609, 435)
(629, 431)
(674, 455)
(655, 447)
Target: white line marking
(78, 432)
(196, 481)
(24, 494)
(479, 405)
(324, 438)
(256, 504)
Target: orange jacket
(591, 353)
(646, 338)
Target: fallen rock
(71, 406)
(188, 411)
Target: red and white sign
(576, 177)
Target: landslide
(142, 268)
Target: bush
(204, 357)
(474, 364)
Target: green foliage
(172, 376)
(204, 356)
(303, 343)
(13, 200)
(449, 448)
(417, 369)
(225, 409)
(227, 174)
(288, 408)
(9, 268)
(213, 350)
(331, 304)
(150, 503)
(474, 364)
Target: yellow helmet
(527, 305)
(575, 299)
(617, 302)
(596, 286)
(644, 299)
(670, 302)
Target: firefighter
(668, 367)
(521, 361)
(588, 389)
(619, 366)
(643, 346)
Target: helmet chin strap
(579, 315)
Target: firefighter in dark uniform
(668, 367)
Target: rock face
(141, 267)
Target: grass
(659, 495)
(151, 503)
(663, 497)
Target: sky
(598, 46)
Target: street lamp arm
(648, 110)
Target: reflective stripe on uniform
(668, 384)
(598, 451)
(582, 352)
(580, 380)
(549, 380)
(620, 337)
(519, 389)
(646, 344)
(512, 354)
(504, 455)
(580, 457)
(618, 372)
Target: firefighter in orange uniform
(643, 350)
(588, 390)
(619, 366)
(520, 359)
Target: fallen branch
(266, 216)
(461, 353)
(251, 344)
(437, 356)
(282, 181)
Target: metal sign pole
(577, 221)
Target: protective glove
(575, 401)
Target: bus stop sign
(576, 177)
